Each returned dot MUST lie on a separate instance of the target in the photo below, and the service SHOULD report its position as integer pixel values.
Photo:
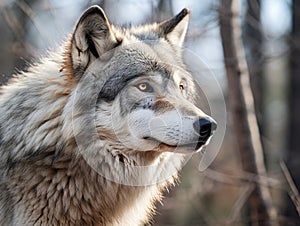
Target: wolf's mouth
(192, 146)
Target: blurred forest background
(271, 38)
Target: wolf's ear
(174, 29)
(92, 37)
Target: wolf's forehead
(144, 32)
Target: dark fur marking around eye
(119, 80)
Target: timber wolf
(96, 131)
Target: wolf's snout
(204, 127)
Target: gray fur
(71, 128)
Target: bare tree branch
(243, 197)
(293, 191)
(18, 31)
(31, 16)
(243, 178)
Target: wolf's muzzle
(205, 128)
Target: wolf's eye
(181, 85)
(145, 87)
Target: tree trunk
(293, 155)
(243, 112)
(163, 11)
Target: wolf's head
(145, 96)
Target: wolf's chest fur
(71, 193)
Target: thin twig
(243, 197)
(293, 191)
(244, 177)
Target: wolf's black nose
(205, 126)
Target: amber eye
(181, 85)
(145, 87)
